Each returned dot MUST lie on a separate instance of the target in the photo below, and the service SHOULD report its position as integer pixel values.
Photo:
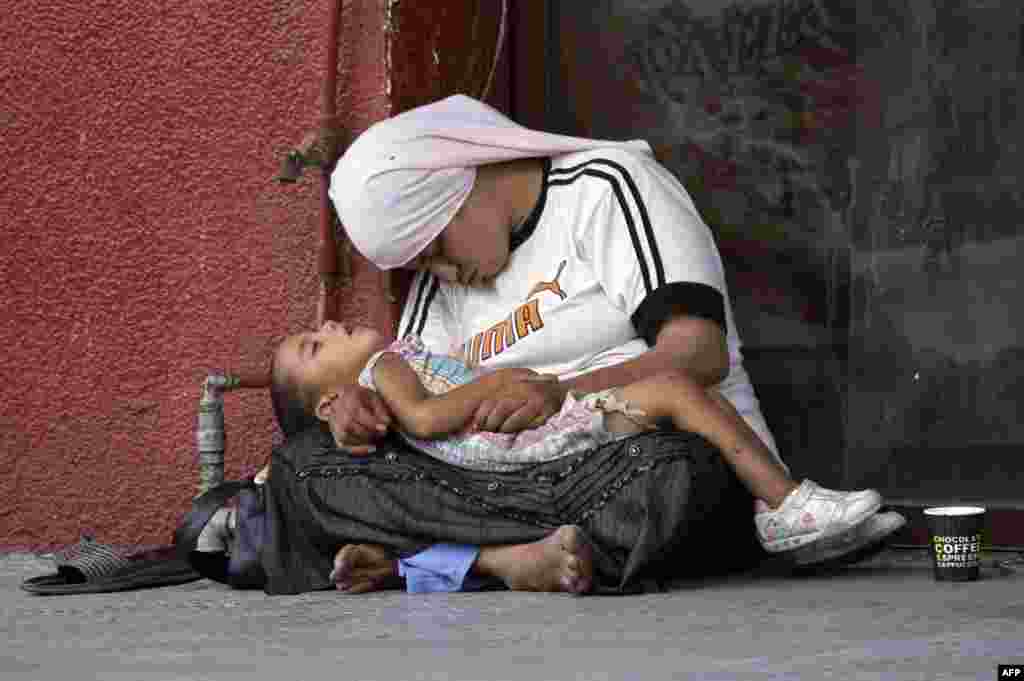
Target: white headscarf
(400, 183)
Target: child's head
(308, 367)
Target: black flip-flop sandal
(91, 567)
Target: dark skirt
(656, 506)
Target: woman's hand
(358, 417)
(520, 404)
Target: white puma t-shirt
(613, 248)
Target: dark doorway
(859, 165)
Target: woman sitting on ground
(434, 399)
(580, 258)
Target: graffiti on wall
(759, 102)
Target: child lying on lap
(434, 397)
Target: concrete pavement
(883, 619)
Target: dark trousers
(656, 506)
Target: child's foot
(362, 568)
(810, 513)
(562, 561)
(871, 533)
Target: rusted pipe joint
(210, 428)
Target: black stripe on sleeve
(685, 298)
(411, 323)
(435, 286)
(627, 215)
(645, 218)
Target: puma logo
(552, 286)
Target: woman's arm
(427, 416)
(691, 344)
(694, 345)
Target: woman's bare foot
(361, 568)
(562, 561)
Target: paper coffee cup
(956, 541)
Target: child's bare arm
(429, 416)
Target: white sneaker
(811, 513)
(872, 531)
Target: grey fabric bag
(240, 567)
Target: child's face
(320, 360)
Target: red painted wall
(144, 242)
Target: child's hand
(520, 405)
(358, 417)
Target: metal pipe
(210, 437)
(210, 430)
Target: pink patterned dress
(578, 427)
